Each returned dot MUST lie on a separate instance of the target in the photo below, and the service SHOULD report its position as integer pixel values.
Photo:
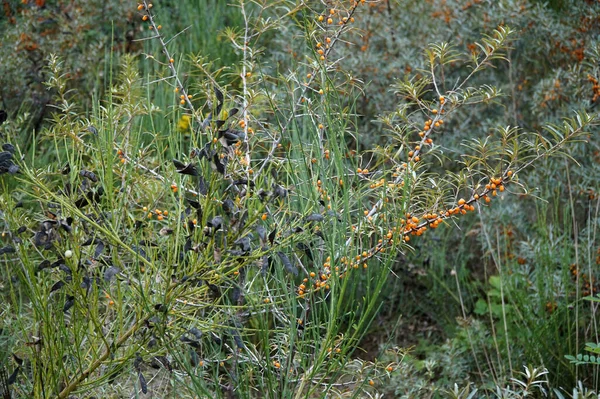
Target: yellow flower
(184, 124)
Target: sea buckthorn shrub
(244, 250)
(553, 70)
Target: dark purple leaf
(137, 363)
(228, 206)
(266, 260)
(13, 377)
(7, 250)
(315, 217)
(43, 265)
(99, 249)
(216, 222)
(279, 192)
(287, 264)
(218, 165)
(178, 164)
(238, 340)
(202, 188)
(261, 232)
(194, 360)
(143, 383)
(69, 303)
(272, 236)
(196, 333)
(110, 273)
(89, 175)
(184, 169)
(57, 286)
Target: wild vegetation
(372, 198)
